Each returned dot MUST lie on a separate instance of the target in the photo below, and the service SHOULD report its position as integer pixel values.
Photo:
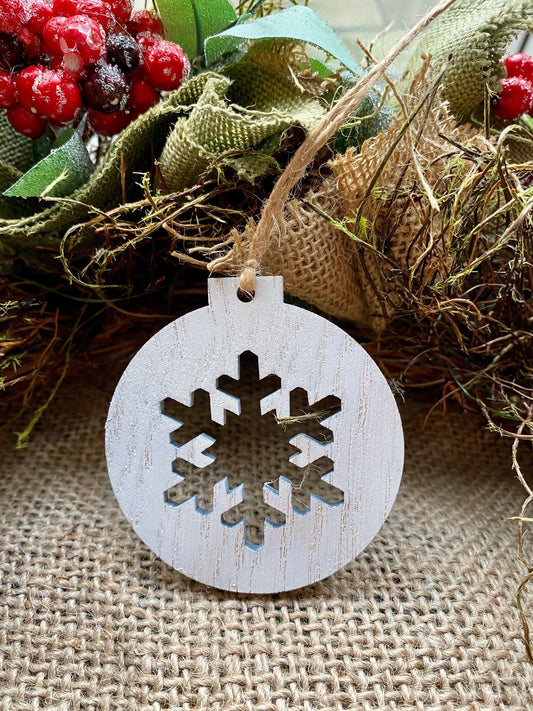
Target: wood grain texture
(305, 351)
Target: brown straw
(329, 125)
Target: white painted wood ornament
(254, 446)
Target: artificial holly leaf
(66, 168)
(294, 23)
(190, 22)
(41, 148)
(179, 20)
(212, 17)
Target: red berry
(25, 81)
(145, 21)
(31, 42)
(519, 65)
(515, 99)
(26, 123)
(40, 12)
(13, 16)
(51, 34)
(84, 35)
(106, 88)
(107, 124)
(166, 65)
(12, 52)
(146, 40)
(8, 90)
(122, 10)
(142, 96)
(137, 73)
(100, 11)
(66, 8)
(56, 96)
(71, 63)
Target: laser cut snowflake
(252, 440)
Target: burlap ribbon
(471, 38)
(200, 122)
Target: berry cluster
(516, 97)
(60, 57)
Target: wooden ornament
(254, 446)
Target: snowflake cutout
(235, 446)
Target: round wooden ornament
(254, 446)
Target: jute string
(272, 214)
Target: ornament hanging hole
(245, 296)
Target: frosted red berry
(516, 99)
(100, 11)
(12, 52)
(166, 65)
(84, 35)
(83, 55)
(13, 16)
(106, 88)
(51, 34)
(66, 8)
(145, 21)
(146, 40)
(122, 10)
(32, 43)
(72, 63)
(56, 96)
(8, 90)
(142, 96)
(107, 124)
(40, 12)
(26, 123)
(519, 65)
(123, 51)
(24, 82)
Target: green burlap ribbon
(234, 120)
(133, 149)
(220, 129)
(16, 150)
(476, 34)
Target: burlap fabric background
(423, 619)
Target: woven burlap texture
(132, 150)
(381, 199)
(386, 199)
(240, 118)
(423, 619)
(317, 261)
(471, 38)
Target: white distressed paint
(306, 351)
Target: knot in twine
(334, 120)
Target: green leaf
(320, 68)
(211, 17)
(67, 167)
(179, 20)
(297, 23)
(41, 148)
(190, 22)
(370, 118)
